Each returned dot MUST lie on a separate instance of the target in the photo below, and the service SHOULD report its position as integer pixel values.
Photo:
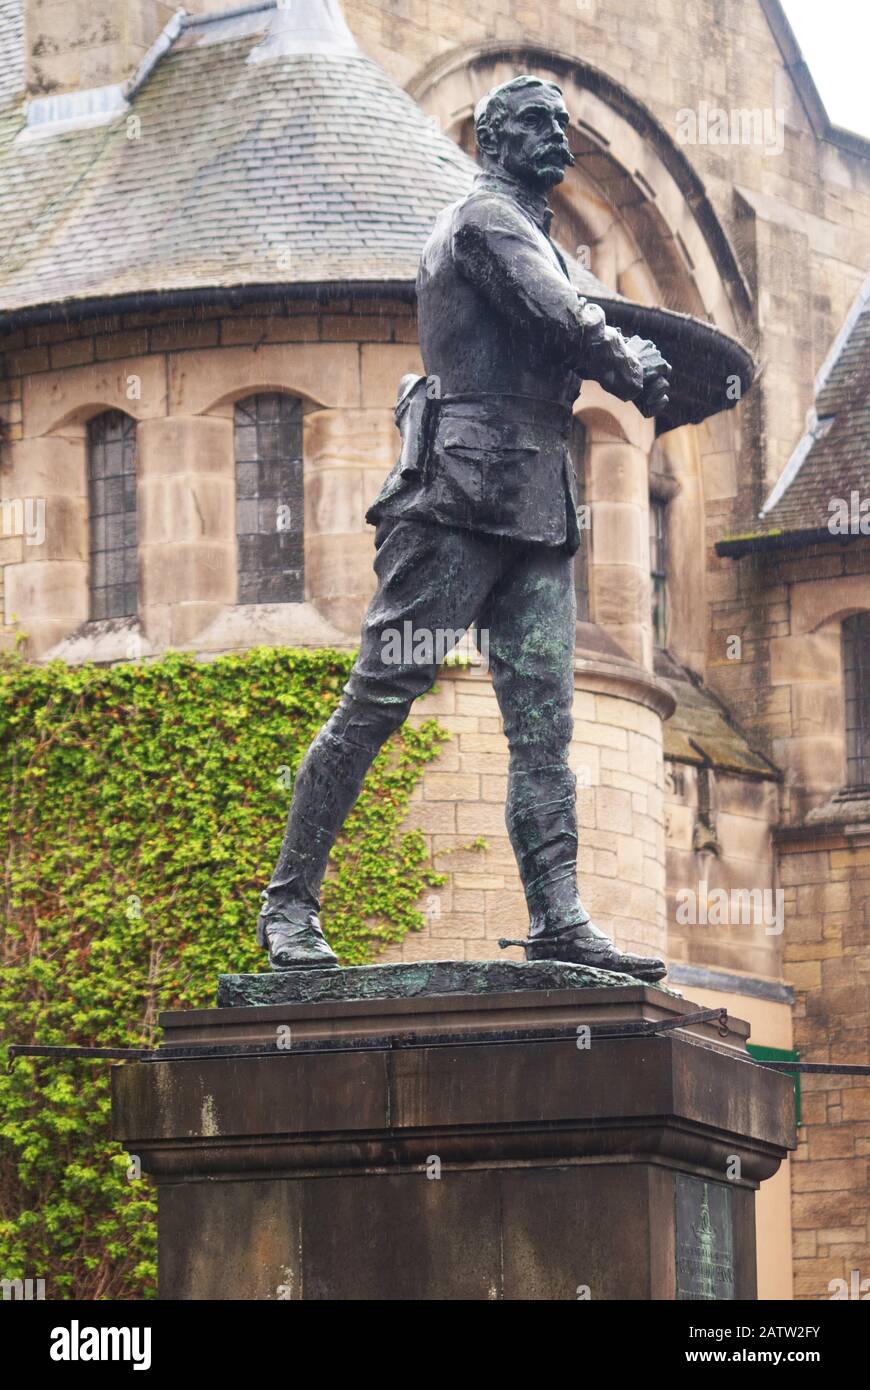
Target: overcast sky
(834, 36)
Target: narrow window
(114, 576)
(581, 559)
(269, 499)
(658, 559)
(856, 685)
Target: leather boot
(586, 945)
(542, 824)
(293, 937)
(328, 783)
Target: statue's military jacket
(506, 340)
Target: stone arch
(324, 376)
(838, 616)
(265, 386)
(636, 202)
(51, 589)
(61, 402)
(628, 164)
(826, 603)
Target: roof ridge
(191, 21)
(804, 83)
(861, 301)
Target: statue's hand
(631, 368)
(654, 398)
(617, 365)
(592, 319)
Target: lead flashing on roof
(54, 115)
(236, 296)
(305, 27)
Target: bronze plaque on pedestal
(704, 1239)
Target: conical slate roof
(304, 167)
(262, 152)
(11, 50)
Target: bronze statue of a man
(476, 525)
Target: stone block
(185, 445)
(351, 438)
(327, 373)
(188, 571)
(382, 366)
(55, 591)
(451, 786)
(187, 507)
(136, 386)
(805, 658)
(336, 566)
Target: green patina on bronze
(411, 981)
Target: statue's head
(522, 126)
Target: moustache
(555, 154)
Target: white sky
(834, 36)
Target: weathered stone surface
(556, 1165)
(409, 981)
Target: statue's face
(532, 142)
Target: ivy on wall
(142, 811)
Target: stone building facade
(208, 283)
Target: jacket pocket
(482, 472)
(472, 438)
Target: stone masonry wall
(787, 683)
(827, 960)
(178, 377)
(745, 813)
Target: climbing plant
(142, 810)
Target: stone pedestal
(442, 1131)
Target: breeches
(433, 583)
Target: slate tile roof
(833, 458)
(307, 169)
(11, 51)
(701, 730)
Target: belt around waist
(519, 410)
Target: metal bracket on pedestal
(605, 1032)
(390, 1041)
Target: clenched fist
(656, 371)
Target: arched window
(581, 559)
(270, 522)
(856, 689)
(658, 564)
(114, 578)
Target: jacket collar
(497, 180)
